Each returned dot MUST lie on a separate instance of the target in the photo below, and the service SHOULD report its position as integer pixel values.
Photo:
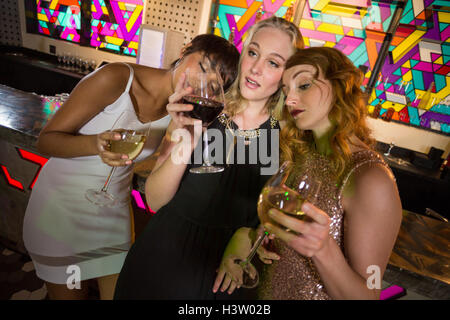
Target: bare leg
(107, 285)
(61, 292)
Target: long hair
(235, 102)
(348, 113)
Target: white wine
(131, 143)
(281, 198)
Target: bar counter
(419, 262)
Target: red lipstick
(295, 112)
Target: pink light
(392, 292)
(137, 197)
(139, 202)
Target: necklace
(248, 135)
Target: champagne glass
(285, 191)
(208, 99)
(133, 136)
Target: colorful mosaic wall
(113, 24)
(59, 19)
(418, 56)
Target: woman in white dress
(69, 239)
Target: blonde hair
(348, 113)
(235, 101)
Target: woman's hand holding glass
(286, 192)
(230, 274)
(286, 209)
(309, 236)
(177, 111)
(113, 159)
(132, 136)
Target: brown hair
(223, 55)
(348, 112)
(233, 96)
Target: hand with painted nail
(182, 124)
(113, 159)
(230, 274)
(306, 236)
(265, 255)
(176, 109)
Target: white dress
(61, 228)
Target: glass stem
(108, 180)
(255, 248)
(206, 149)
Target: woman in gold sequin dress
(343, 250)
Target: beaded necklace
(248, 135)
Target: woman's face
(308, 100)
(263, 63)
(194, 62)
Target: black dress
(179, 251)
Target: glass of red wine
(207, 98)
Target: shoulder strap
(130, 80)
(372, 157)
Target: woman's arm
(373, 214)
(180, 140)
(164, 180)
(230, 274)
(92, 94)
(372, 221)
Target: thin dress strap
(130, 80)
(365, 157)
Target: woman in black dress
(178, 253)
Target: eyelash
(252, 53)
(274, 64)
(305, 86)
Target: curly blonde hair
(348, 112)
(235, 101)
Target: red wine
(204, 109)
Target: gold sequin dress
(294, 277)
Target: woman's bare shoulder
(371, 185)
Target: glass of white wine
(285, 191)
(133, 136)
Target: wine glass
(133, 136)
(59, 57)
(79, 63)
(208, 99)
(285, 191)
(92, 64)
(388, 152)
(65, 60)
